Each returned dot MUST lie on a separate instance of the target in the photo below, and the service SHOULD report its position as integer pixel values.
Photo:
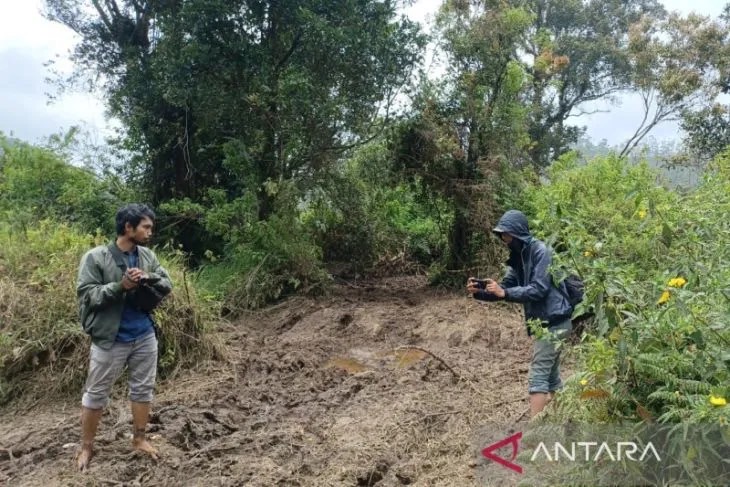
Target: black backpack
(574, 289)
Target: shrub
(369, 225)
(263, 260)
(656, 267)
(36, 183)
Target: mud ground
(382, 383)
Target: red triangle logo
(513, 440)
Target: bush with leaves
(262, 260)
(37, 183)
(406, 219)
(335, 214)
(362, 214)
(656, 264)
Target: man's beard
(139, 242)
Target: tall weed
(43, 349)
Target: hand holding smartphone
(481, 283)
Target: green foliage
(268, 260)
(708, 131)
(483, 82)
(43, 349)
(656, 269)
(292, 83)
(459, 189)
(262, 260)
(615, 215)
(358, 215)
(36, 183)
(336, 216)
(406, 220)
(366, 215)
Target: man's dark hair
(133, 214)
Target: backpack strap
(118, 256)
(562, 288)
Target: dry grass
(43, 350)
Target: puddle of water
(361, 360)
(350, 365)
(406, 358)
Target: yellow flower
(583, 382)
(642, 214)
(664, 297)
(587, 253)
(677, 282)
(717, 401)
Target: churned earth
(381, 383)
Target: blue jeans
(545, 366)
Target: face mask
(515, 245)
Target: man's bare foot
(84, 458)
(141, 444)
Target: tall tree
(116, 54)
(241, 93)
(675, 67)
(472, 117)
(575, 52)
(707, 128)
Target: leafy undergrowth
(656, 264)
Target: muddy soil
(382, 383)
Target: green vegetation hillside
(51, 213)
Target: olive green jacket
(100, 293)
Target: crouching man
(528, 281)
(118, 287)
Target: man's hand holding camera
(132, 278)
(474, 285)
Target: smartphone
(481, 283)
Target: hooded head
(514, 223)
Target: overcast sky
(27, 41)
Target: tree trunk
(459, 237)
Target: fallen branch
(413, 347)
(16, 447)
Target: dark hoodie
(528, 280)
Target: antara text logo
(588, 451)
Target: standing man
(528, 281)
(114, 302)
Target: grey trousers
(544, 373)
(105, 367)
